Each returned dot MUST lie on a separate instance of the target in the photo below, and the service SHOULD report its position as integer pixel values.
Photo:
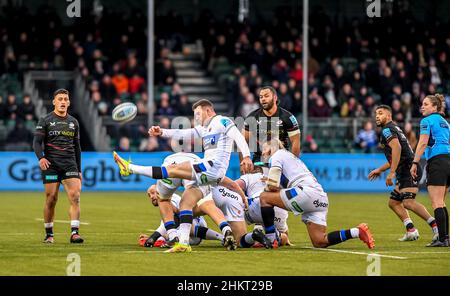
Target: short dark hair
(60, 91)
(385, 107)
(202, 103)
(271, 88)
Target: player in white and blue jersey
(291, 186)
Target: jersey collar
(433, 114)
(209, 121)
(62, 117)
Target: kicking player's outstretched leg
(180, 171)
(320, 238)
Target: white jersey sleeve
(189, 133)
(293, 171)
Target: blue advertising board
(19, 171)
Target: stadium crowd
(354, 64)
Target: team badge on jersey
(293, 120)
(225, 122)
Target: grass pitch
(116, 219)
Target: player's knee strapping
(170, 225)
(200, 231)
(395, 195)
(185, 217)
(407, 195)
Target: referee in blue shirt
(434, 141)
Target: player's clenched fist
(155, 131)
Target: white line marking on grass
(357, 253)
(63, 221)
(406, 252)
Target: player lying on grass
(239, 218)
(165, 188)
(400, 155)
(291, 186)
(199, 228)
(218, 134)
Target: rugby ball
(124, 112)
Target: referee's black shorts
(60, 170)
(438, 170)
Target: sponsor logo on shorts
(167, 181)
(227, 194)
(72, 174)
(203, 179)
(51, 177)
(296, 207)
(319, 204)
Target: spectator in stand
(25, 110)
(164, 144)
(107, 88)
(121, 83)
(397, 112)
(2, 109)
(284, 97)
(184, 107)
(164, 106)
(124, 145)
(297, 72)
(175, 94)
(410, 135)
(136, 84)
(249, 105)
(367, 138)
(311, 145)
(149, 145)
(280, 71)
(20, 135)
(319, 108)
(166, 75)
(11, 106)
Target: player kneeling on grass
(302, 194)
(238, 218)
(193, 193)
(218, 134)
(400, 157)
(199, 228)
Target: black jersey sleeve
(77, 145)
(39, 137)
(249, 119)
(290, 121)
(388, 134)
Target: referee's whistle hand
(44, 164)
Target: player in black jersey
(271, 121)
(57, 146)
(400, 157)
